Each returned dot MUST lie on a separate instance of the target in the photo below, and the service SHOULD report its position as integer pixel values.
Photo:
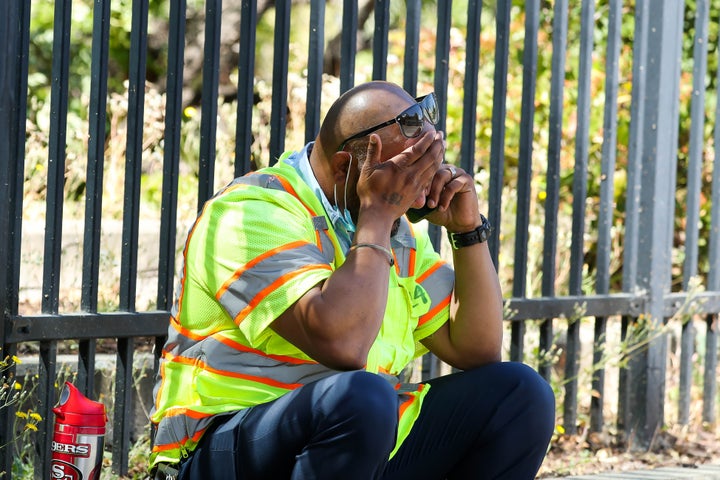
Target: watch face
(485, 229)
(484, 233)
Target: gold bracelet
(379, 248)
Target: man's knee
(519, 387)
(366, 392)
(365, 400)
(536, 389)
(532, 396)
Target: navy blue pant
(490, 422)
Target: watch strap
(478, 235)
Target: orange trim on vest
(170, 446)
(177, 326)
(270, 288)
(244, 348)
(163, 379)
(411, 262)
(255, 261)
(188, 412)
(409, 401)
(289, 189)
(413, 253)
(425, 318)
(430, 271)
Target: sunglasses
(410, 120)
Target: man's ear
(340, 162)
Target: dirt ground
(593, 453)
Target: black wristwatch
(479, 235)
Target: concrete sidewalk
(701, 472)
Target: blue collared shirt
(300, 161)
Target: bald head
(358, 109)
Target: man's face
(393, 142)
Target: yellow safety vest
(255, 249)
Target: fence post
(660, 71)
(14, 41)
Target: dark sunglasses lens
(411, 121)
(430, 106)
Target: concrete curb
(701, 472)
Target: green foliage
(14, 395)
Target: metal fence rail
(651, 149)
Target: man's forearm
(477, 308)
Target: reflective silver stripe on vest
(237, 359)
(402, 244)
(264, 180)
(177, 429)
(328, 249)
(439, 284)
(226, 358)
(253, 281)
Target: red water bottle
(79, 437)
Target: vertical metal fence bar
(96, 155)
(709, 375)
(316, 50)
(131, 215)
(94, 189)
(552, 189)
(53, 221)
(632, 199)
(412, 46)
(499, 111)
(246, 94)
(171, 154)
(470, 87)
(171, 167)
(440, 84)
(208, 121)
(662, 72)
(442, 58)
(278, 116)
(47, 372)
(692, 206)
(678, 23)
(637, 129)
(577, 251)
(348, 45)
(380, 39)
(56, 155)
(14, 46)
(410, 80)
(530, 54)
(607, 196)
(133, 163)
(713, 282)
(122, 415)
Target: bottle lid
(74, 408)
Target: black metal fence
(627, 257)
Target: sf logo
(60, 470)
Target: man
(306, 291)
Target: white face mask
(343, 218)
